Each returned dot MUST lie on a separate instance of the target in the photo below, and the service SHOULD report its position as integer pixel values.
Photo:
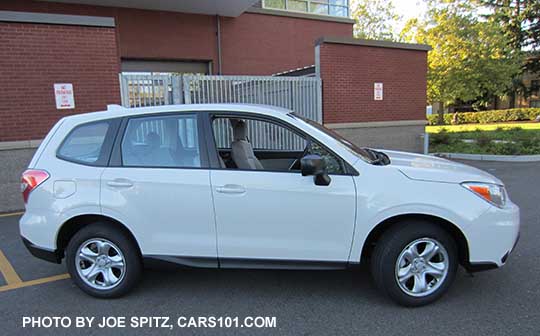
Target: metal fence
(300, 94)
(146, 90)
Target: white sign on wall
(63, 93)
(378, 91)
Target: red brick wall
(35, 56)
(256, 44)
(143, 34)
(252, 44)
(349, 72)
(165, 35)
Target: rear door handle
(120, 183)
(231, 189)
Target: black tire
(388, 249)
(129, 249)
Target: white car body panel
(275, 215)
(45, 213)
(446, 200)
(429, 168)
(170, 211)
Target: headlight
(493, 193)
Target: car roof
(114, 111)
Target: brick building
(89, 42)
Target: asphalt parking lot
(499, 302)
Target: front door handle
(231, 189)
(120, 183)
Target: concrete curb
(488, 157)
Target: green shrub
(506, 148)
(486, 117)
(483, 140)
(512, 141)
(441, 138)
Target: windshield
(362, 152)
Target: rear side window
(162, 142)
(85, 144)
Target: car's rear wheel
(414, 262)
(103, 261)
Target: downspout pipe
(218, 38)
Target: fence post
(176, 87)
(186, 89)
(123, 96)
(426, 143)
(319, 101)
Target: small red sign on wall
(378, 91)
(63, 94)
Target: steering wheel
(296, 163)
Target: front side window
(84, 144)
(164, 141)
(256, 144)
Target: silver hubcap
(100, 263)
(422, 267)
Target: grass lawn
(501, 139)
(483, 127)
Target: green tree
(471, 59)
(520, 22)
(375, 19)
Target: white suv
(236, 186)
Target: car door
(158, 185)
(275, 214)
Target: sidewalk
(12, 164)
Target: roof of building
(372, 43)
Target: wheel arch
(452, 229)
(71, 226)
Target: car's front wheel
(103, 261)
(414, 262)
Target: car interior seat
(241, 149)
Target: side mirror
(313, 164)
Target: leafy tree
(520, 22)
(375, 19)
(471, 59)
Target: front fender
(365, 228)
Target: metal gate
(299, 94)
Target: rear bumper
(53, 256)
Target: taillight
(30, 180)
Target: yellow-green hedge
(486, 117)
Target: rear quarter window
(88, 144)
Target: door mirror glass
(314, 164)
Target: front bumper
(53, 256)
(486, 266)
(492, 238)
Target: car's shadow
(346, 286)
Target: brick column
(35, 56)
(349, 69)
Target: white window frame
(308, 3)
